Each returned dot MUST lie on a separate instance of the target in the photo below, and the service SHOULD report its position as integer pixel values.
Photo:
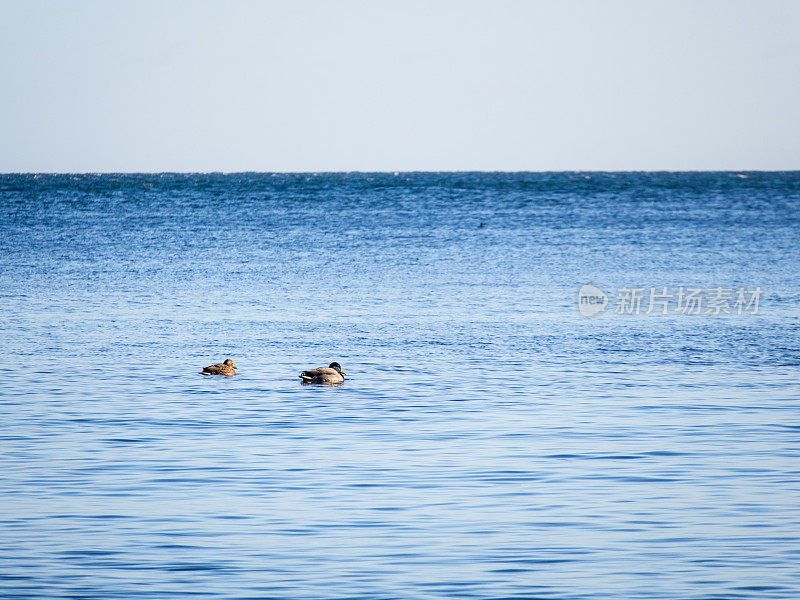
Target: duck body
(330, 374)
(225, 368)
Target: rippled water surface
(489, 441)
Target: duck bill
(342, 372)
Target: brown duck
(226, 368)
(331, 374)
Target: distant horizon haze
(508, 86)
(409, 172)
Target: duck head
(336, 367)
(229, 362)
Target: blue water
(489, 442)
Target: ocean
(559, 386)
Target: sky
(435, 85)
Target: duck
(225, 368)
(331, 374)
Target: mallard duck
(331, 374)
(226, 368)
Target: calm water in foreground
(489, 443)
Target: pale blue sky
(393, 86)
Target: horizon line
(399, 172)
